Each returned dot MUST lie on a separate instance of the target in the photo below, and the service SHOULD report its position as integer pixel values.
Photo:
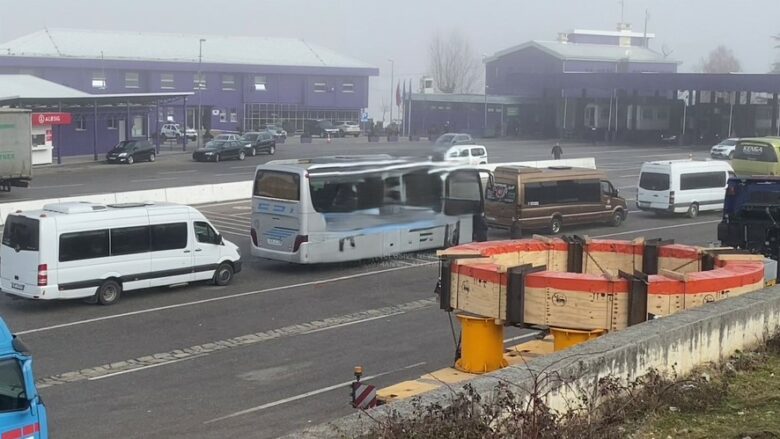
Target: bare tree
(720, 60)
(453, 64)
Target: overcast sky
(375, 31)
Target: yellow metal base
(482, 345)
(566, 338)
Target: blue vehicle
(22, 412)
(751, 216)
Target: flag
(398, 94)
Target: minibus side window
(130, 240)
(205, 233)
(90, 244)
(169, 236)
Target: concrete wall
(685, 340)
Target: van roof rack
(129, 205)
(74, 207)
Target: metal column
(95, 131)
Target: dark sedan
(217, 150)
(131, 151)
(259, 142)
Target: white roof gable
(89, 44)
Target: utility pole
(622, 11)
(392, 68)
(200, 92)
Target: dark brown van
(521, 198)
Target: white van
(461, 154)
(683, 186)
(94, 251)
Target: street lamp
(200, 87)
(392, 68)
(485, 127)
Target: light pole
(200, 92)
(392, 68)
(484, 127)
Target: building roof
(27, 89)
(146, 46)
(612, 33)
(590, 52)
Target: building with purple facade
(607, 84)
(238, 83)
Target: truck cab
(22, 412)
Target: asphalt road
(274, 351)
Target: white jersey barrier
(213, 193)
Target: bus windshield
(12, 390)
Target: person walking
(557, 152)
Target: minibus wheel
(693, 211)
(223, 275)
(555, 225)
(109, 292)
(617, 218)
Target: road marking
(523, 337)
(144, 368)
(58, 186)
(243, 167)
(311, 393)
(153, 179)
(230, 173)
(221, 298)
(226, 203)
(177, 355)
(182, 172)
(628, 176)
(658, 228)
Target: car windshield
(222, 137)
(12, 390)
(728, 143)
(326, 124)
(124, 145)
(249, 137)
(216, 144)
(445, 139)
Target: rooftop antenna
(622, 11)
(647, 17)
(54, 43)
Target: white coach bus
(334, 209)
(95, 251)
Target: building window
(99, 80)
(200, 85)
(167, 82)
(228, 82)
(260, 83)
(223, 116)
(320, 87)
(348, 87)
(170, 114)
(233, 115)
(81, 123)
(647, 113)
(111, 123)
(132, 80)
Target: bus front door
(463, 195)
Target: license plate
(17, 286)
(274, 242)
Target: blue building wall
(292, 86)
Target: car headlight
(124, 154)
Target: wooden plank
(448, 375)
(479, 297)
(544, 239)
(673, 274)
(739, 257)
(567, 309)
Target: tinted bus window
(757, 152)
(12, 394)
(130, 240)
(654, 181)
(21, 233)
(279, 185)
(169, 236)
(84, 245)
(702, 180)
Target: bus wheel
(693, 211)
(617, 218)
(109, 292)
(555, 225)
(223, 275)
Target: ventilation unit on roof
(128, 205)
(74, 207)
(559, 168)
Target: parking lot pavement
(205, 361)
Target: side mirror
(220, 240)
(616, 193)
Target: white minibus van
(683, 186)
(94, 251)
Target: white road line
(182, 172)
(686, 154)
(658, 228)
(153, 179)
(522, 337)
(222, 298)
(145, 367)
(223, 216)
(244, 167)
(58, 186)
(243, 235)
(311, 393)
(233, 229)
(628, 176)
(170, 357)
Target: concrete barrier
(685, 340)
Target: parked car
(170, 131)
(277, 131)
(226, 137)
(131, 151)
(322, 128)
(724, 149)
(262, 141)
(462, 154)
(453, 139)
(191, 134)
(217, 150)
(348, 128)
